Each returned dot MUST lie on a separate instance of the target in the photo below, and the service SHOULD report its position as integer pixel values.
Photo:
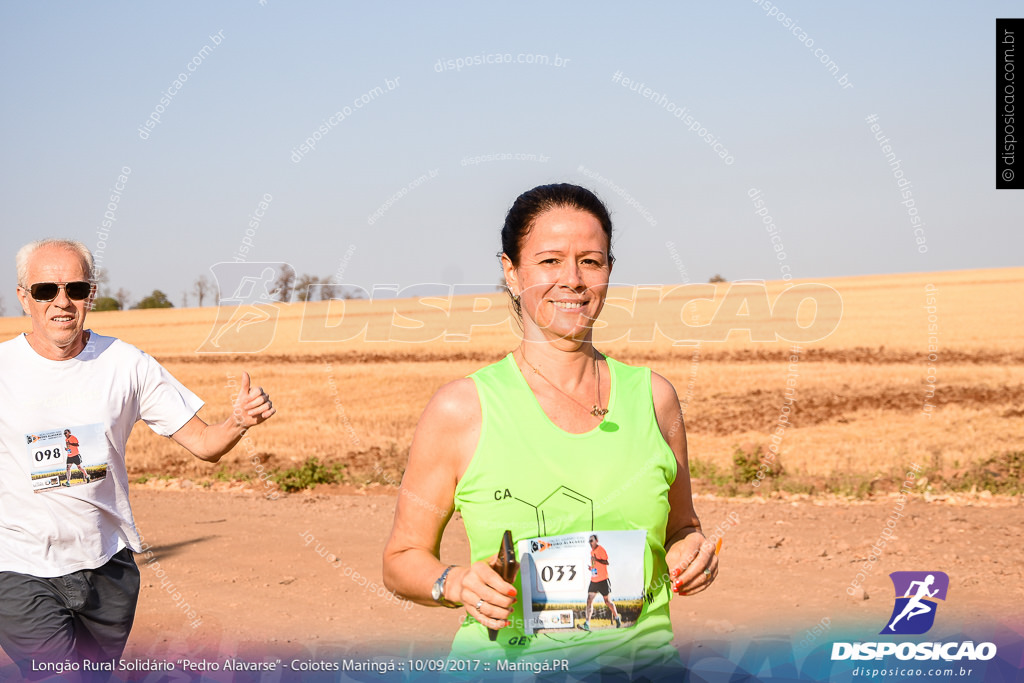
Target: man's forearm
(210, 442)
(216, 440)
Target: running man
(74, 457)
(69, 583)
(916, 605)
(599, 583)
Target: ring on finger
(479, 604)
(707, 572)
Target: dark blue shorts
(87, 614)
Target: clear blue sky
(81, 79)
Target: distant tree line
(288, 287)
(105, 299)
(310, 288)
(119, 301)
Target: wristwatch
(437, 592)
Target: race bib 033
(589, 581)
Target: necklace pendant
(599, 412)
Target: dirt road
(235, 574)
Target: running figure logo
(916, 601)
(246, 314)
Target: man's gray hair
(25, 253)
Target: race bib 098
(70, 456)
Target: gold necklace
(596, 410)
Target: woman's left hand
(692, 564)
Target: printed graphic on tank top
(553, 490)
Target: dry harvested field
(863, 414)
(350, 379)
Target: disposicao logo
(917, 594)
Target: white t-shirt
(63, 428)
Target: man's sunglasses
(47, 291)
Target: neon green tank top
(537, 480)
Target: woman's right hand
(483, 593)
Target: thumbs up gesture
(252, 406)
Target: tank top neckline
(543, 416)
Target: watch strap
(439, 590)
